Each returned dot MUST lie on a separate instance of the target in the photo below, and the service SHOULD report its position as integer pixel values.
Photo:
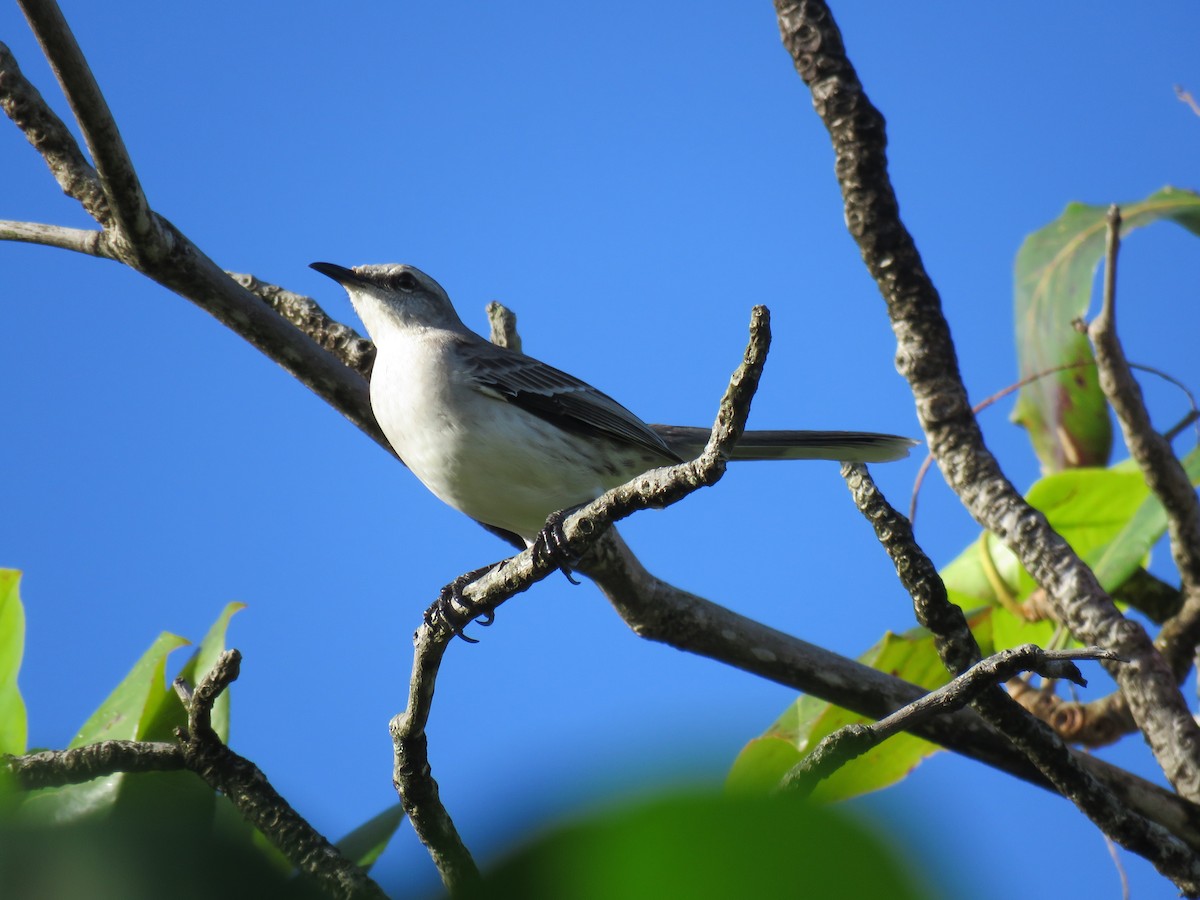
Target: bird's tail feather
(843, 446)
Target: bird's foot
(551, 546)
(451, 609)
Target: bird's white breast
(480, 453)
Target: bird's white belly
(484, 456)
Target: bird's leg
(451, 604)
(551, 545)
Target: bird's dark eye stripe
(402, 281)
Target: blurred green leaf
(13, 722)
(911, 656)
(146, 859)
(1066, 414)
(365, 843)
(705, 848)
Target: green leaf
(705, 848)
(1090, 508)
(1010, 631)
(365, 843)
(136, 699)
(135, 703)
(173, 715)
(13, 722)
(1066, 414)
(1130, 546)
(765, 760)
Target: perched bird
(509, 440)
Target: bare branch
(201, 751)
(503, 324)
(56, 768)
(23, 103)
(80, 240)
(1185, 96)
(341, 340)
(1163, 471)
(191, 274)
(259, 803)
(852, 741)
(136, 227)
(926, 357)
(1039, 743)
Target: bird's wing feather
(555, 396)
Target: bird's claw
(551, 545)
(451, 607)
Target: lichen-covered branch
(1033, 737)
(129, 220)
(926, 358)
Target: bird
(510, 440)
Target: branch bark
(1045, 749)
(1163, 471)
(926, 358)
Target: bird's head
(393, 296)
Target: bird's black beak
(340, 274)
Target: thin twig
(244, 784)
(79, 240)
(1192, 416)
(24, 105)
(1185, 96)
(502, 322)
(56, 768)
(1164, 473)
(852, 741)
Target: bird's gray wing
(555, 396)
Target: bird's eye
(404, 281)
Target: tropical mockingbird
(509, 440)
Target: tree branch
(480, 596)
(201, 751)
(1163, 471)
(56, 768)
(23, 104)
(1036, 740)
(80, 240)
(130, 220)
(926, 357)
(852, 741)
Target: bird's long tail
(843, 446)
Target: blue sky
(631, 181)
